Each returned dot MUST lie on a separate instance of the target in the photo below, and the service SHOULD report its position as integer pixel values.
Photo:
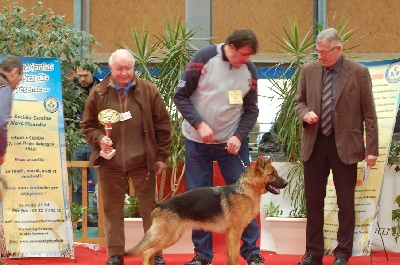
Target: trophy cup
(108, 117)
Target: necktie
(122, 95)
(326, 113)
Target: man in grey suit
(335, 105)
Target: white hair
(121, 53)
(330, 35)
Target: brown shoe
(310, 260)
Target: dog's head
(3, 187)
(271, 180)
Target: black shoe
(197, 260)
(159, 260)
(255, 259)
(310, 260)
(115, 260)
(339, 261)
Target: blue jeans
(199, 158)
(82, 153)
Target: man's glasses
(323, 53)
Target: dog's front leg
(234, 245)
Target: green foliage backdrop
(39, 32)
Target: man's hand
(206, 133)
(371, 160)
(106, 144)
(310, 117)
(1, 160)
(161, 166)
(233, 145)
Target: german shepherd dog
(224, 209)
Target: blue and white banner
(33, 212)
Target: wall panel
(111, 21)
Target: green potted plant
(288, 232)
(77, 213)
(396, 219)
(133, 223)
(131, 207)
(393, 158)
(271, 210)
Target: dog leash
(241, 160)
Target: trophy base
(109, 155)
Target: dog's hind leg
(148, 257)
(234, 245)
(160, 235)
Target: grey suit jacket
(354, 113)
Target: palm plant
(299, 49)
(289, 129)
(163, 63)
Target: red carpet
(86, 256)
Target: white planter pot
(289, 234)
(134, 233)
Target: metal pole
(87, 22)
(199, 14)
(315, 16)
(322, 13)
(78, 16)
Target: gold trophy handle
(108, 117)
(108, 128)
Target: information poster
(385, 77)
(33, 212)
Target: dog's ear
(260, 162)
(269, 161)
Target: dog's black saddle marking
(199, 204)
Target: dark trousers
(316, 171)
(113, 186)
